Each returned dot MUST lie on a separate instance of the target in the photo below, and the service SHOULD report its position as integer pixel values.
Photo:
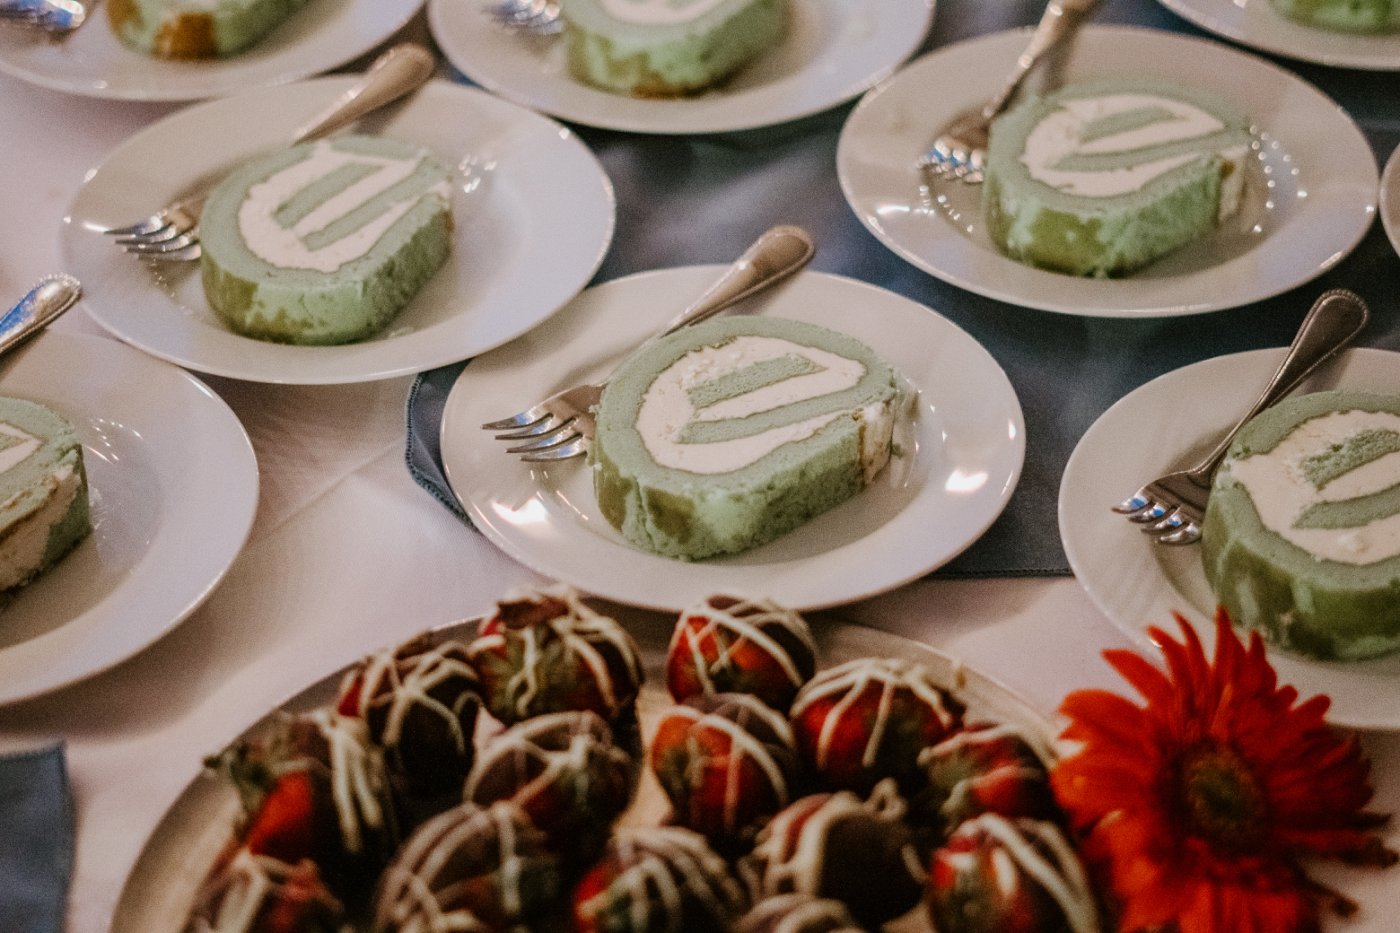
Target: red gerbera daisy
(1198, 805)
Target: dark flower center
(1221, 798)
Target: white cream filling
(13, 456)
(23, 548)
(1061, 134)
(1282, 493)
(658, 12)
(666, 407)
(286, 247)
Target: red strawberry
(727, 644)
(284, 826)
(982, 769)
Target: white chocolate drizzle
(658, 867)
(1060, 873)
(852, 681)
(731, 629)
(743, 747)
(410, 689)
(797, 912)
(520, 749)
(242, 889)
(357, 776)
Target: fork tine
(535, 430)
(184, 254)
(161, 247)
(1188, 533)
(1153, 512)
(140, 228)
(1134, 503)
(562, 432)
(563, 450)
(522, 419)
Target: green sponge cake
(1302, 534)
(727, 434)
(325, 242)
(1103, 178)
(196, 28)
(1343, 15)
(43, 490)
(666, 48)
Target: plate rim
(1198, 12)
(1083, 296)
(243, 492)
(335, 57)
(348, 363)
(456, 406)
(626, 114)
(1165, 599)
(1390, 199)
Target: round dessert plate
(963, 448)
(532, 218)
(1257, 24)
(94, 63)
(1310, 191)
(161, 887)
(834, 50)
(173, 487)
(1390, 199)
(1138, 583)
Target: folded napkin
(36, 840)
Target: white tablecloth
(347, 555)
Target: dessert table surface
(348, 554)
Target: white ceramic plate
(93, 62)
(965, 447)
(1164, 424)
(1310, 193)
(1390, 199)
(173, 488)
(834, 50)
(533, 216)
(1255, 23)
(161, 888)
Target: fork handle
(1060, 20)
(402, 69)
(51, 297)
(774, 256)
(1335, 318)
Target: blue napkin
(36, 840)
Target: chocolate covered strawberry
(839, 846)
(314, 788)
(797, 913)
(983, 768)
(655, 880)
(469, 868)
(868, 720)
(726, 644)
(727, 762)
(565, 772)
(995, 875)
(260, 894)
(548, 652)
(420, 702)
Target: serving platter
(1257, 24)
(962, 448)
(93, 62)
(529, 196)
(161, 888)
(1310, 191)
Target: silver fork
(560, 426)
(538, 17)
(172, 233)
(960, 150)
(1171, 507)
(57, 18)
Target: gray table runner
(703, 199)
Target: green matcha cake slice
(1343, 15)
(196, 28)
(1104, 177)
(1302, 534)
(667, 48)
(727, 434)
(325, 243)
(43, 490)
